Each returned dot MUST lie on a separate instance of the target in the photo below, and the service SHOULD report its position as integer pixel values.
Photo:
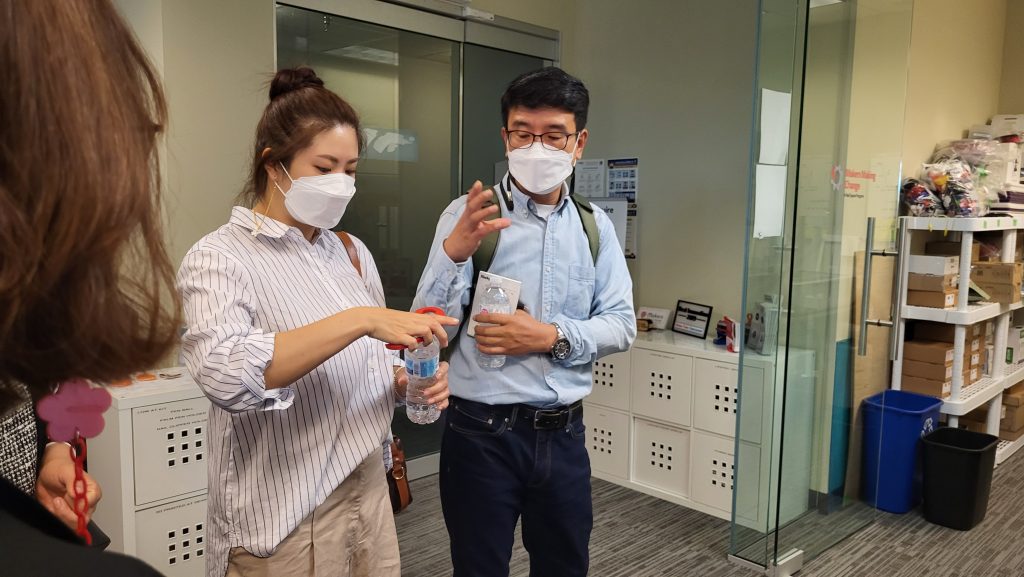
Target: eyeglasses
(549, 140)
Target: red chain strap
(81, 503)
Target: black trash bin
(957, 476)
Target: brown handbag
(398, 482)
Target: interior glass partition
(835, 72)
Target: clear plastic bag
(919, 200)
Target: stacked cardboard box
(928, 366)
(1011, 418)
(933, 281)
(1002, 281)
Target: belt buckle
(547, 419)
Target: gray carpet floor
(640, 536)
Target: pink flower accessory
(73, 413)
(75, 409)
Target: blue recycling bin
(894, 423)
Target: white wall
(943, 107)
(561, 15)
(671, 83)
(215, 58)
(1011, 93)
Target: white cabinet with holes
(151, 462)
(662, 420)
(607, 440)
(661, 385)
(611, 381)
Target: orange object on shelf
(145, 377)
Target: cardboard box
(1001, 293)
(1014, 396)
(927, 331)
(975, 360)
(930, 387)
(931, 371)
(1013, 418)
(1011, 435)
(941, 353)
(943, 300)
(971, 425)
(946, 248)
(998, 273)
(932, 283)
(934, 265)
(979, 427)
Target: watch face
(561, 350)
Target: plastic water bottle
(494, 301)
(421, 365)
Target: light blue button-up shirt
(592, 304)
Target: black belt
(546, 419)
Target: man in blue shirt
(514, 441)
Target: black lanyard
(506, 189)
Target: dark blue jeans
(495, 468)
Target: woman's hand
(55, 486)
(437, 394)
(402, 328)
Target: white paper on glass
(775, 108)
(769, 200)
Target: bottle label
(421, 368)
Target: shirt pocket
(580, 294)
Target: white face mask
(319, 200)
(538, 169)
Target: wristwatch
(562, 348)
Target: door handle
(865, 295)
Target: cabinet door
(607, 440)
(661, 457)
(169, 448)
(716, 399)
(611, 381)
(172, 537)
(661, 385)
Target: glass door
(427, 88)
(405, 87)
(835, 71)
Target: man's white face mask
(538, 169)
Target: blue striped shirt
(276, 454)
(591, 302)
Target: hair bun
(289, 79)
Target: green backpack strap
(589, 221)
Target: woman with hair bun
(286, 336)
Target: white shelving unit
(988, 390)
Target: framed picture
(692, 319)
